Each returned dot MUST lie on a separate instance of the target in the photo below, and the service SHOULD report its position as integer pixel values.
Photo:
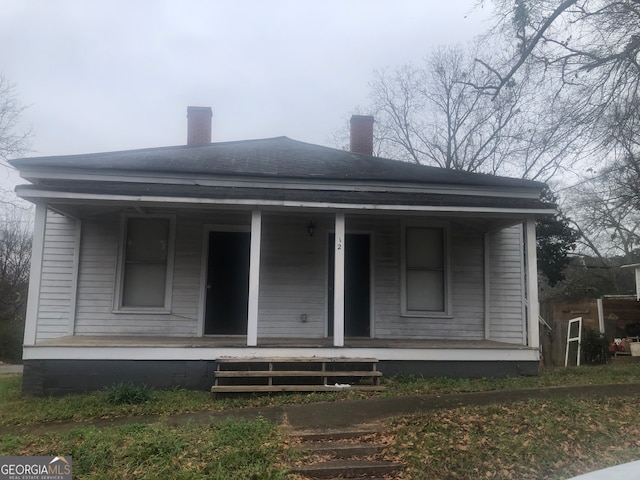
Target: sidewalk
(6, 368)
(327, 415)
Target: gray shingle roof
(272, 158)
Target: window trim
(120, 267)
(405, 312)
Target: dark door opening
(357, 299)
(227, 295)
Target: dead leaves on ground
(531, 440)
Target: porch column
(338, 282)
(532, 283)
(35, 275)
(254, 278)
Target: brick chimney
(362, 134)
(199, 125)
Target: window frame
(120, 266)
(405, 311)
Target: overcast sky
(105, 75)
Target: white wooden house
(149, 265)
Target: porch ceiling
(478, 221)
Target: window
(146, 259)
(424, 270)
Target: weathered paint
(506, 309)
(58, 274)
(292, 298)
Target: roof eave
(37, 175)
(35, 195)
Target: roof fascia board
(77, 197)
(265, 182)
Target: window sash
(146, 252)
(425, 279)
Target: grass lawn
(16, 410)
(231, 450)
(550, 377)
(551, 439)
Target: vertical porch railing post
(338, 291)
(532, 284)
(35, 277)
(254, 278)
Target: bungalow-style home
(155, 265)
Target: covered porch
(299, 290)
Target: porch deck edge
(154, 348)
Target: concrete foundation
(60, 377)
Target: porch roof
(276, 158)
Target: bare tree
(587, 53)
(608, 225)
(440, 114)
(15, 257)
(13, 140)
(592, 43)
(15, 229)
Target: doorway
(227, 287)
(357, 285)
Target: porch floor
(271, 342)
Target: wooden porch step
(294, 373)
(278, 374)
(292, 388)
(296, 360)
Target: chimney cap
(192, 109)
(362, 118)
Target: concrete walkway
(7, 368)
(349, 413)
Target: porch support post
(532, 283)
(35, 275)
(338, 282)
(254, 278)
(487, 286)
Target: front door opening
(227, 297)
(357, 292)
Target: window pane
(147, 240)
(425, 290)
(144, 285)
(425, 248)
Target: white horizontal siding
(55, 307)
(96, 275)
(293, 280)
(467, 269)
(186, 274)
(292, 277)
(506, 314)
(386, 271)
(96, 280)
(467, 288)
